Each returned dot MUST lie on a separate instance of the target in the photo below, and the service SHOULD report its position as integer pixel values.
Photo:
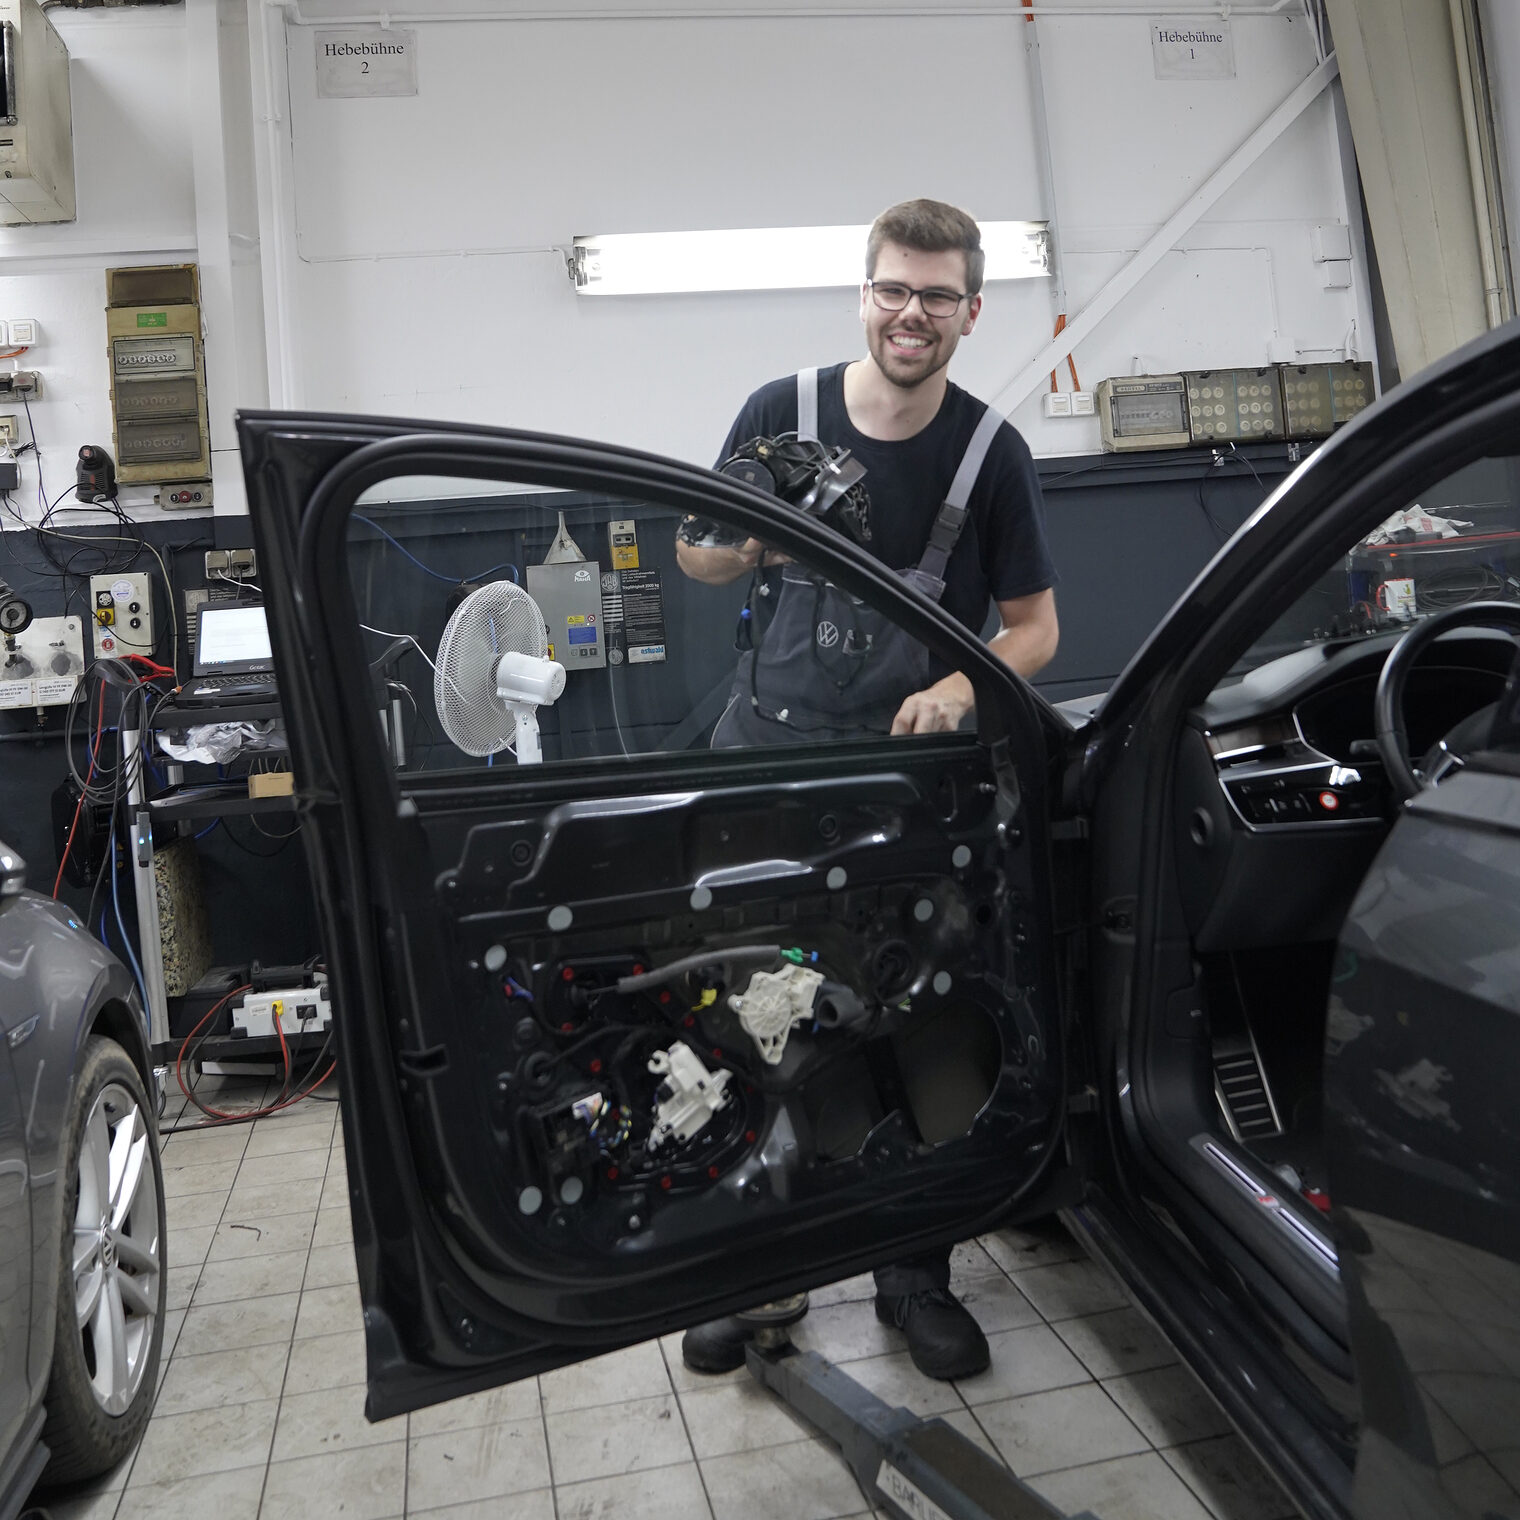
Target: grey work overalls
(829, 666)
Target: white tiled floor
(259, 1409)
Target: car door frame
(1425, 429)
(305, 474)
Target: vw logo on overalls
(828, 635)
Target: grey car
(81, 1200)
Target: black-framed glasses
(889, 295)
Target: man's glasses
(890, 296)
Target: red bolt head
(749, 1136)
(568, 974)
(689, 1022)
(612, 1174)
(638, 969)
(718, 1053)
(712, 1172)
(665, 1183)
(567, 1028)
(596, 1065)
(664, 997)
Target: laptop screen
(231, 641)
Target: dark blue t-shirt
(1002, 552)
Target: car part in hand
(823, 482)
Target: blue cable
(453, 580)
(215, 823)
(126, 943)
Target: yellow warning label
(576, 620)
(623, 544)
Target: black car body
(1081, 936)
(75, 1051)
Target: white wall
(403, 255)
(427, 281)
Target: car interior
(1279, 800)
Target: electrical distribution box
(1318, 398)
(1226, 404)
(158, 374)
(1143, 412)
(36, 119)
(122, 608)
(570, 598)
(300, 1011)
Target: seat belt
(928, 575)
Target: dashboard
(1281, 800)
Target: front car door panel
(579, 1111)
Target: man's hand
(717, 565)
(936, 710)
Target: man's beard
(884, 354)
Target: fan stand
(525, 716)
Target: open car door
(642, 1033)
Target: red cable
(254, 1113)
(89, 775)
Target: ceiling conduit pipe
(1478, 127)
(1221, 9)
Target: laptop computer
(233, 660)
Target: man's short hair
(929, 227)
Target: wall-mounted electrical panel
(570, 598)
(1143, 412)
(36, 120)
(1230, 405)
(158, 374)
(122, 608)
(41, 665)
(1318, 398)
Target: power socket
(218, 562)
(10, 430)
(21, 383)
(243, 562)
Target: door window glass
(1457, 542)
(666, 637)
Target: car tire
(112, 1281)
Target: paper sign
(370, 60)
(1191, 49)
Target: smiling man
(921, 440)
(899, 414)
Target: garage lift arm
(910, 1468)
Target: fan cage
(487, 624)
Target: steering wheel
(1388, 707)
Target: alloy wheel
(117, 1247)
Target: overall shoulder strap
(807, 404)
(929, 575)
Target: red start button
(1329, 801)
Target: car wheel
(110, 1317)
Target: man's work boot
(718, 1345)
(944, 1341)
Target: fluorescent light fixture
(769, 258)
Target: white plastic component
(1331, 240)
(300, 1010)
(5, 335)
(1057, 404)
(1337, 274)
(23, 332)
(688, 1097)
(130, 629)
(1082, 404)
(524, 682)
(773, 1004)
(45, 665)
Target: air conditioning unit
(36, 126)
